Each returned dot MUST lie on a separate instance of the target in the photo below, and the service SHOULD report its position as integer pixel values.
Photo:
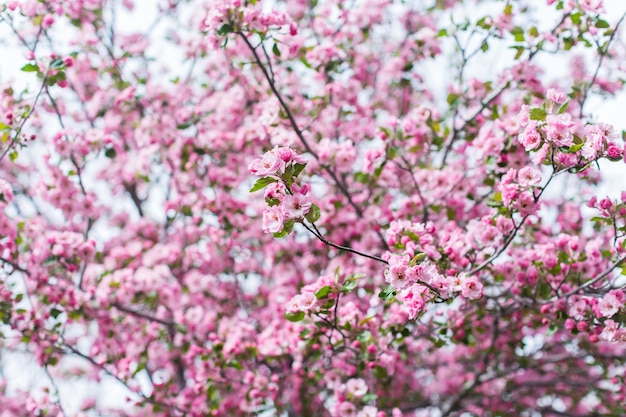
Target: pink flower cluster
(247, 16)
(287, 201)
(417, 281)
(291, 207)
(550, 127)
(274, 162)
(68, 245)
(306, 300)
(516, 189)
(610, 209)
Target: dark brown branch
(294, 125)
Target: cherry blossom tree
(312, 208)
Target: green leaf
(52, 80)
(417, 259)
(272, 201)
(234, 363)
(305, 62)
(483, 22)
(452, 98)
(349, 285)
(225, 29)
(323, 292)
(295, 316)
(275, 50)
(537, 114)
(110, 153)
(364, 337)
(543, 290)
(57, 64)
(518, 34)
(288, 226)
(555, 269)
(361, 177)
(262, 183)
(288, 175)
(314, 214)
(388, 293)
(280, 234)
(552, 329)
(380, 372)
(297, 169)
(575, 148)
(568, 43)
(439, 343)
(484, 47)
(140, 367)
(564, 107)
(30, 68)
(520, 51)
(602, 24)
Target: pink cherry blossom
(609, 305)
(356, 387)
(273, 219)
(471, 288)
(269, 164)
(555, 95)
(528, 176)
(295, 206)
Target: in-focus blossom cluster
(551, 131)
(418, 282)
(228, 16)
(287, 202)
(275, 162)
(518, 190)
(414, 276)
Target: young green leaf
(262, 183)
(314, 214)
(294, 316)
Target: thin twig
(603, 54)
(318, 235)
(298, 131)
